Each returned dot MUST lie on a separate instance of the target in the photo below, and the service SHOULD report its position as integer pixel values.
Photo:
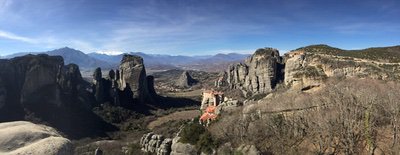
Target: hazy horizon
(195, 27)
(128, 52)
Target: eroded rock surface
(133, 75)
(248, 149)
(122, 86)
(40, 79)
(41, 88)
(259, 74)
(156, 144)
(27, 138)
(178, 148)
(305, 70)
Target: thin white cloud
(49, 42)
(12, 36)
(172, 36)
(109, 52)
(143, 29)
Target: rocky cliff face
(298, 73)
(122, 86)
(308, 67)
(70, 79)
(106, 90)
(156, 144)
(150, 85)
(43, 79)
(133, 76)
(41, 88)
(259, 74)
(305, 69)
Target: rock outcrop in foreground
(157, 144)
(27, 138)
(259, 74)
(179, 148)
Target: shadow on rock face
(39, 88)
(75, 120)
(174, 102)
(160, 102)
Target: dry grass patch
(176, 116)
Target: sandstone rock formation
(307, 67)
(259, 74)
(123, 85)
(178, 148)
(299, 74)
(40, 87)
(248, 149)
(156, 144)
(28, 138)
(150, 85)
(133, 76)
(221, 81)
(185, 80)
(106, 90)
(98, 88)
(40, 79)
(70, 79)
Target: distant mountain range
(70, 55)
(152, 61)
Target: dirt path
(180, 115)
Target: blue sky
(195, 27)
